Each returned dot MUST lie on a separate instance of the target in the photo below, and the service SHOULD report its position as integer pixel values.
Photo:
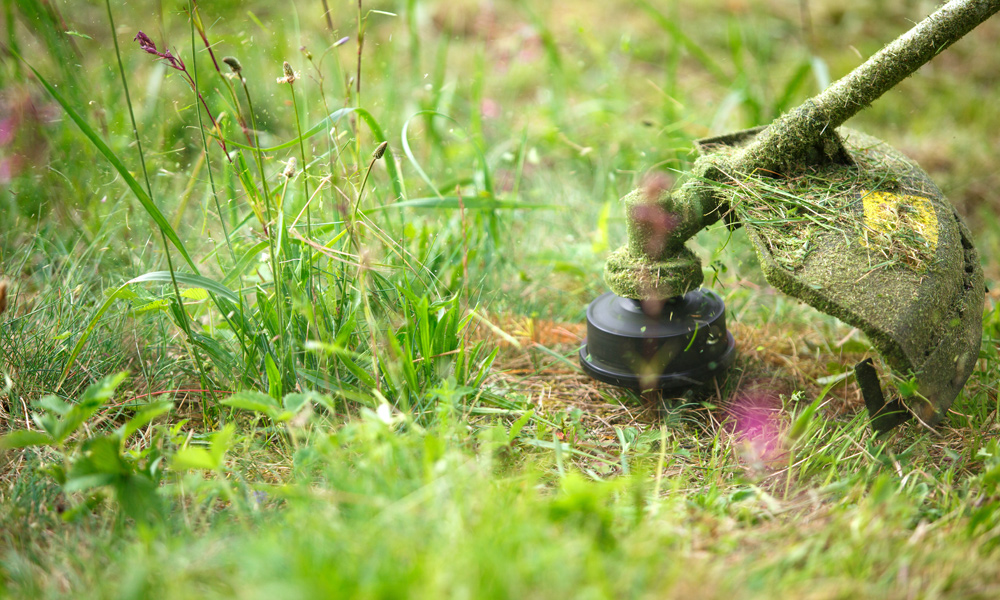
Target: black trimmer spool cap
(685, 345)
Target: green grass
(358, 380)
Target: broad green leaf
(296, 401)
(24, 438)
(515, 429)
(93, 398)
(193, 458)
(222, 441)
(47, 422)
(54, 404)
(143, 417)
(195, 294)
(86, 482)
(254, 401)
(101, 455)
(151, 306)
(274, 386)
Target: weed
(98, 460)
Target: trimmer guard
(900, 265)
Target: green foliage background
(318, 403)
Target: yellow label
(891, 213)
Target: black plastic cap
(685, 345)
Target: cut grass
(370, 457)
(880, 199)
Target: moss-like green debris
(916, 291)
(879, 200)
(638, 277)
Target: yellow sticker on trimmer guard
(898, 218)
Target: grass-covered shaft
(786, 140)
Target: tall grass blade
(188, 279)
(320, 127)
(474, 203)
(323, 125)
(681, 38)
(246, 261)
(792, 87)
(122, 292)
(108, 153)
(487, 181)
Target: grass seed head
(167, 56)
(380, 151)
(290, 75)
(3, 295)
(233, 64)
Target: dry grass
(773, 362)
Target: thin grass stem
(310, 290)
(182, 313)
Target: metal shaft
(787, 139)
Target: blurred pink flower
(490, 108)
(150, 48)
(755, 424)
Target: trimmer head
(681, 342)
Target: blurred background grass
(572, 104)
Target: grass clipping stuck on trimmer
(875, 244)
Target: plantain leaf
(254, 401)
